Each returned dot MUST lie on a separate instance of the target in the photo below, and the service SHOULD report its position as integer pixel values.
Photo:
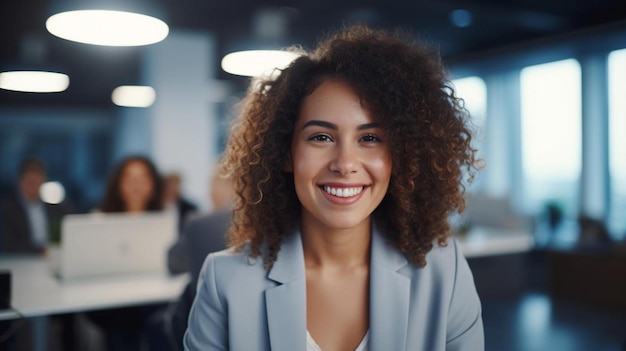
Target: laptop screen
(100, 244)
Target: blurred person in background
(175, 202)
(134, 186)
(205, 233)
(202, 235)
(28, 225)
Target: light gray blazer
(240, 306)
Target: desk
(35, 291)
(498, 258)
(482, 241)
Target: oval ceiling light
(133, 96)
(257, 63)
(107, 27)
(34, 81)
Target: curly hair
(398, 79)
(113, 201)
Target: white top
(311, 345)
(38, 224)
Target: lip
(342, 200)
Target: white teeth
(343, 192)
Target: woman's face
(136, 186)
(340, 159)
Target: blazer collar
(286, 302)
(290, 262)
(389, 296)
(390, 293)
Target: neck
(339, 248)
(131, 207)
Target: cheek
(380, 165)
(298, 163)
(305, 169)
(146, 187)
(307, 165)
(300, 172)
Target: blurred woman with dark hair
(134, 186)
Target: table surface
(36, 291)
(489, 241)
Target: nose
(345, 159)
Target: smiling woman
(346, 167)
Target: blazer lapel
(389, 296)
(286, 302)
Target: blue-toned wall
(75, 144)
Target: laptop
(113, 244)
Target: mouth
(343, 191)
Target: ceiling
(94, 71)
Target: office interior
(545, 223)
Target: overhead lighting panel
(106, 23)
(133, 96)
(263, 55)
(257, 63)
(34, 81)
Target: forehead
(135, 166)
(334, 101)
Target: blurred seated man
(174, 201)
(27, 225)
(205, 233)
(201, 236)
(27, 222)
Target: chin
(344, 223)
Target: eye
(320, 137)
(370, 138)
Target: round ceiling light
(34, 81)
(256, 63)
(133, 96)
(107, 27)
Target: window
(617, 142)
(474, 93)
(551, 135)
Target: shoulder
(11, 206)
(229, 268)
(446, 269)
(442, 259)
(208, 222)
(59, 209)
(447, 275)
(187, 204)
(446, 256)
(209, 218)
(232, 258)
(9, 200)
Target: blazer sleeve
(465, 324)
(208, 325)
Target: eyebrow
(334, 126)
